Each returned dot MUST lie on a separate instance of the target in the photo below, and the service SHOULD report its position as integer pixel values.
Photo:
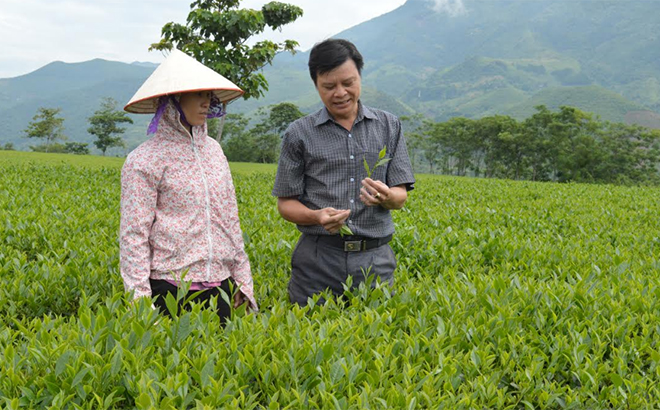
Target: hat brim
(149, 105)
(180, 73)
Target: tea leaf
(382, 152)
(345, 230)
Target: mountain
(444, 58)
(77, 89)
(481, 57)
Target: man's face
(340, 89)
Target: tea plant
(507, 294)
(382, 160)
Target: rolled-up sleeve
(399, 170)
(138, 208)
(289, 180)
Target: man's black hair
(330, 54)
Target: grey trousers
(316, 266)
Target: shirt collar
(363, 112)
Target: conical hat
(180, 73)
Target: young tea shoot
(381, 161)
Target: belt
(353, 243)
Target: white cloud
(451, 7)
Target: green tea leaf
(382, 162)
(382, 152)
(345, 230)
(60, 366)
(79, 377)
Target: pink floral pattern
(179, 217)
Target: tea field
(508, 295)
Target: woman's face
(195, 106)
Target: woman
(179, 218)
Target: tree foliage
(104, 125)
(46, 125)
(216, 33)
(567, 145)
(261, 143)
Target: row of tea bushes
(508, 295)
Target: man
(322, 183)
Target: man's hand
(332, 219)
(375, 193)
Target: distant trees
(103, 125)
(568, 145)
(564, 145)
(46, 125)
(77, 148)
(260, 143)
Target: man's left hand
(375, 193)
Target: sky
(34, 33)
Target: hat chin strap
(182, 116)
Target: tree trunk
(221, 125)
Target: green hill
(485, 58)
(607, 104)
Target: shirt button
(350, 221)
(351, 157)
(352, 179)
(350, 136)
(352, 201)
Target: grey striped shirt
(321, 164)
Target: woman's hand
(239, 299)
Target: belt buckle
(352, 246)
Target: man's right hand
(332, 219)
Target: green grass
(95, 161)
(92, 161)
(508, 295)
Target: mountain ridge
(487, 58)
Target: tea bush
(508, 295)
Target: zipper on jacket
(208, 209)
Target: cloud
(34, 33)
(451, 7)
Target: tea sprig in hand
(345, 230)
(381, 161)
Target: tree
(276, 118)
(45, 124)
(414, 138)
(238, 143)
(216, 33)
(77, 148)
(281, 115)
(104, 125)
